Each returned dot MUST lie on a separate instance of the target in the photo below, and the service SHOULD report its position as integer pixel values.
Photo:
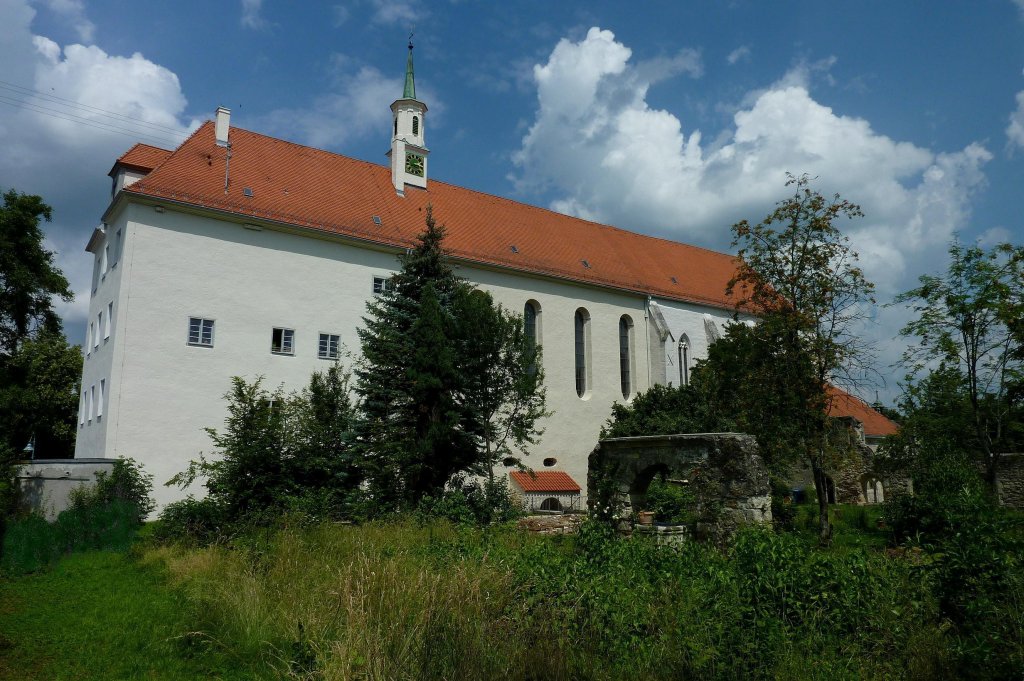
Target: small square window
(282, 341)
(329, 346)
(380, 285)
(200, 332)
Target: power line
(61, 101)
(99, 125)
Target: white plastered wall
(162, 392)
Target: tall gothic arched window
(530, 321)
(396, 126)
(582, 321)
(531, 313)
(684, 361)
(625, 355)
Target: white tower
(408, 152)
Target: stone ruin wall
(724, 471)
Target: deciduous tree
(967, 320)
(28, 278)
(797, 271)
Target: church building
(238, 254)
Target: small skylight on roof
(376, 220)
(514, 248)
(247, 191)
(674, 280)
(585, 263)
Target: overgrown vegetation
(39, 370)
(449, 383)
(105, 515)
(434, 601)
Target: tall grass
(403, 601)
(31, 543)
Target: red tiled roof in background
(316, 189)
(544, 481)
(142, 157)
(845, 404)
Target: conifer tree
(448, 380)
(413, 434)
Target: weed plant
(414, 600)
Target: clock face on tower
(414, 164)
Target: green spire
(410, 78)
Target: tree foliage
(276, 451)
(39, 395)
(28, 278)
(505, 378)
(797, 271)
(967, 322)
(448, 381)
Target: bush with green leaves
(672, 503)
(276, 453)
(473, 502)
(127, 481)
(972, 555)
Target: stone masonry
(724, 470)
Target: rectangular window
(110, 313)
(81, 410)
(99, 327)
(117, 249)
(88, 339)
(104, 259)
(329, 346)
(200, 332)
(380, 284)
(92, 401)
(99, 404)
(282, 341)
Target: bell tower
(408, 151)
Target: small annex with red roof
(545, 490)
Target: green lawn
(102, 615)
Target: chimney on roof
(223, 126)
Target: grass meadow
(412, 600)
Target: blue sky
(668, 118)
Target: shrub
(191, 520)
(672, 503)
(127, 481)
(32, 544)
(464, 502)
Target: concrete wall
(161, 393)
(46, 485)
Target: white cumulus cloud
(741, 53)
(252, 15)
(1015, 130)
(597, 145)
(356, 106)
(73, 11)
(76, 109)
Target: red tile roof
(544, 481)
(142, 157)
(316, 189)
(844, 404)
